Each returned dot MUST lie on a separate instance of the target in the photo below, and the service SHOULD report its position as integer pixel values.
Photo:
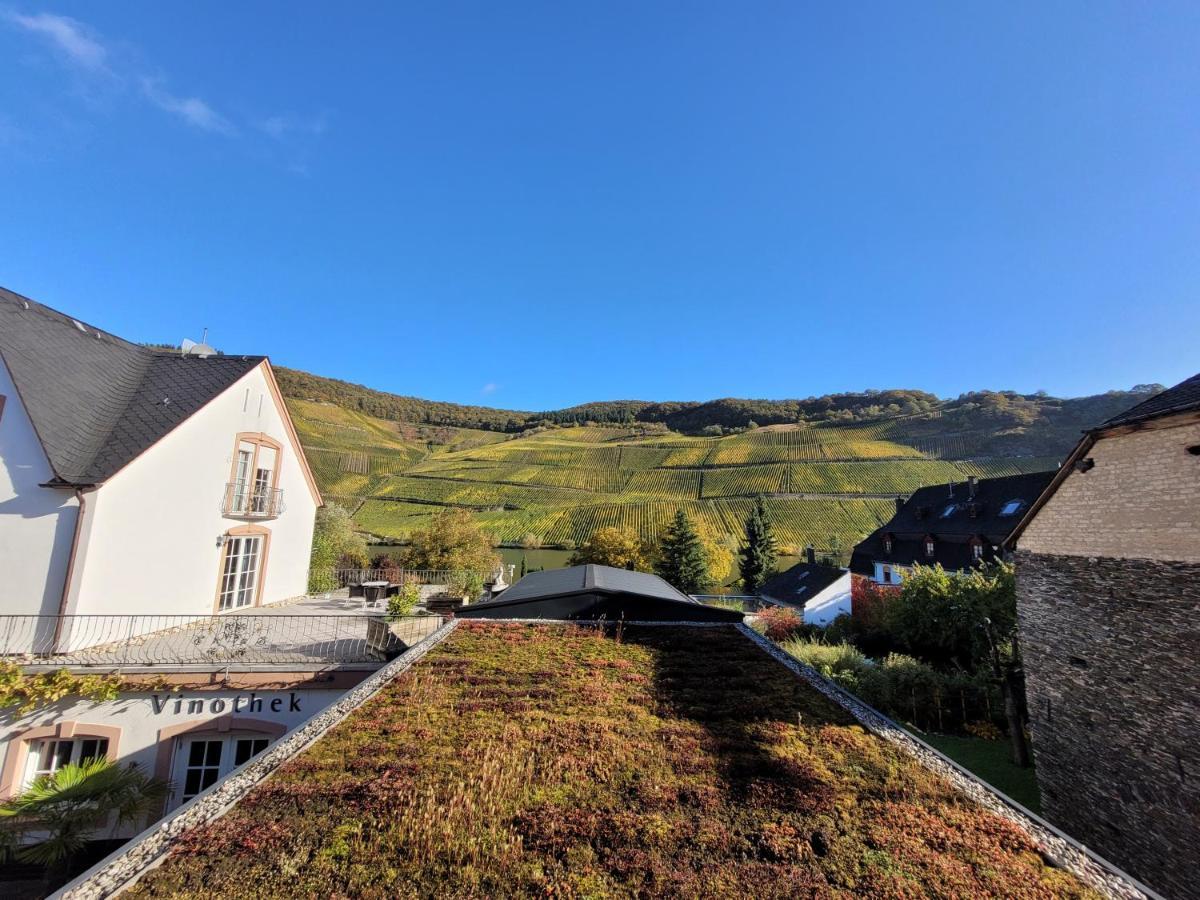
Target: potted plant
(380, 639)
(465, 584)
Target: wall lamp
(221, 539)
(1083, 465)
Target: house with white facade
(142, 481)
(821, 592)
(156, 515)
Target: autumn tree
(335, 545)
(965, 621)
(682, 561)
(452, 541)
(759, 550)
(617, 547)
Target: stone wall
(1112, 661)
(1140, 501)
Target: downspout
(81, 496)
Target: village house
(150, 501)
(142, 481)
(821, 592)
(1108, 597)
(956, 525)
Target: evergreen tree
(522, 565)
(682, 561)
(759, 551)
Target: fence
(177, 640)
(341, 578)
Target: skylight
(949, 510)
(1010, 508)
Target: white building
(820, 592)
(148, 499)
(140, 481)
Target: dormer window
(930, 547)
(1011, 508)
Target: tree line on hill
(1026, 424)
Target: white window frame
(225, 761)
(78, 747)
(241, 571)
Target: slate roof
(800, 583)
(97, 401)
(1184, 397)
(579, 591)
(925, 513)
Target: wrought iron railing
(248, 501)
(179, 640)
(396, 575)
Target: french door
(241, 571)
(200, 761)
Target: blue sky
(537, 204)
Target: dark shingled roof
(1184, 397)
(586, 592)
(924, 514)
(97, 401)
(800, 583)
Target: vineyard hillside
(548, 480)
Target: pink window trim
(18, 748)
(220, 725)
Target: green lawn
(990, 761)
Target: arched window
(243, 567)
(253, 488)
(195, 755)
(46, 749)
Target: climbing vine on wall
(30, 692)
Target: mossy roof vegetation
(557, 760)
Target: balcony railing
(248, 501)
(120, 642)
(340, 578)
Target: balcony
(307, 634)
(247, 501)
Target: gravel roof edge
(1058, 847)
(146, 851)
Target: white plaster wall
(141, 716)
(36, 524)
(830, 603)
(153, 527)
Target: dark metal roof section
(596, 592)
(955, 516)
(1184, 397)
(800, 583)
(97, 401)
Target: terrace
(558, 759)
(316, 632)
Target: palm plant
(69, 805)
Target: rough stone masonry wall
(1112, 661)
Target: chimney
(899, 504)
(971, 480)
(811, 553)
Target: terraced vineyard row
(561, 484)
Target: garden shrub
(404, 601)
(780, 623)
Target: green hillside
(829, 474)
